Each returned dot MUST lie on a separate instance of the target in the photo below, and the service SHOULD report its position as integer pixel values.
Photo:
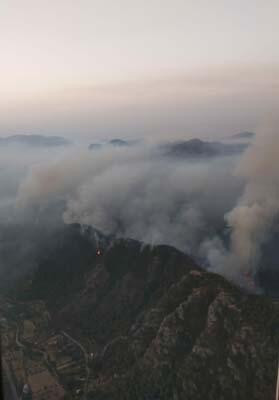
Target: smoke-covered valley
(218, 202)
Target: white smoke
(138, 194)
(254, 217)
(252, 221)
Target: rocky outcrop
(202, 339)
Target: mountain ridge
(197, 148)
(162, 326)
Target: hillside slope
(164, 328)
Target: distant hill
(196, 148)
(112, 143)
(243, 135)
(193, 148)
(34, 141)
(119, 142)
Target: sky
(91, 68)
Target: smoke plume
(138, 193)
(254, 217)
(221, 211)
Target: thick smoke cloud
(253, 220)
(16, 161)
(22, 232)
(221, 210)
(137, 193)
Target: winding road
(85, 359)
(17, 338)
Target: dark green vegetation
(165, 329)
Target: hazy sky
(68, 64)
